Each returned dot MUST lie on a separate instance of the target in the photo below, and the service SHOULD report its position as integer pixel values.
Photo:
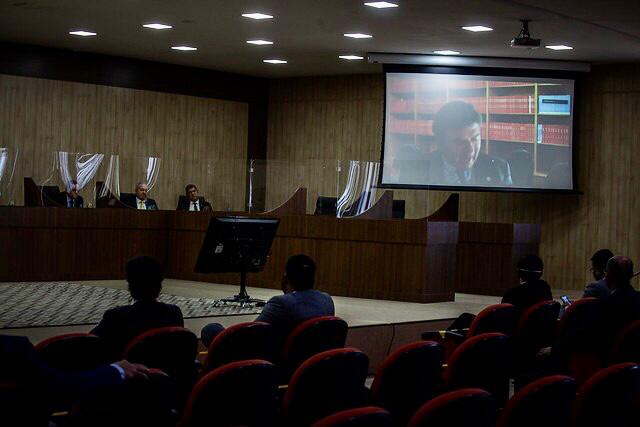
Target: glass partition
(8, 161)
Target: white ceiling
(308, 33)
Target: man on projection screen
(458, 159)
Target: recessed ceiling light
(274, 61)
(257, 15)
(259, 42)
(82, 33)
(157, 26)
(350, 57)
(380, 4)
(477, 28)
(559, 47)
(184, 48)
(358, 35)
(446, 52)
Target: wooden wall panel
(341, 118)
(199, 140)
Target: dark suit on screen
(130, 200)
(419, 169)
(184, 204)
(21, 364)
(121, 324)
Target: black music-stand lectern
(237, 245)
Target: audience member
(192, 201)
(21, 364)
(121, 324)
(532, 289)
(599, 288)
(622, 306)
(299, 302)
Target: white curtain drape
(153, 171)
(112, 181)
(63, 167)
(87, 166)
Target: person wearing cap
(532, 289)
(598, 288)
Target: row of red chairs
(607, 398)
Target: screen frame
(487, 72)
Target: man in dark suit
(622, 306)
(21, 364)
(599, 288)
(121, 324)
(458, 159)
(300, 301)
(191, 201)
(532, 289)
(140, 200)
(70, 198)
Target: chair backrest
(326, 383)
(469, 407)
(326, 205)
(368, 416)
(398, 209)
(627, 346)
(171, 349)
(581, 317)
(495, 318)
(483, 361)
(607, 398)
(73, 352)
(239, 393)
(544, 402)
(407, 378)
(244, 341)
(536, 328)
(311, 337)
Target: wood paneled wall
(199, 140)
(340, 118)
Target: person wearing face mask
(599, 288)
(458, 159)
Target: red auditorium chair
(576, 346)
(244, 341)
(483, 361)
(324, 384)
(73, 352)
(495, 318)
(545, 402)
(369, 416)
(240, 393)
(535, 330)
(469, 407)
(608, 398)
(627, 346)
(171, 349)
(311, 337)
(408, 378)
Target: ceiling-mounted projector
(524, 40)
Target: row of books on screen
(431, 84)
(515, 132)
(516, 104)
